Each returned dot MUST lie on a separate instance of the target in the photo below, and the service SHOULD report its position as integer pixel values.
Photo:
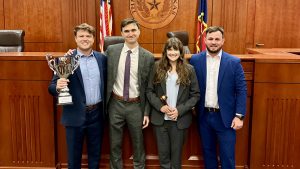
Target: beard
(213, 51)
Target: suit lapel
(78, 72)
(99, 65)
(101, 72)
(163, 85)
(116, 58)
(141, 65)
(203, 66)
(223, 65)
(180, 91)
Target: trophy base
(64, 100)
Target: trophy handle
(75, 63)
(51, 62)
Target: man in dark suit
(129, 66)
(84, 118)
(223, 105)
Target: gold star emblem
(154, 4)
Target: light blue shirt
(91, 78)
(172, 91)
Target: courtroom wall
(248, 23)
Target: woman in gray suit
(172, 92)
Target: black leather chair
(12, 40)
(110, 40)
(183, 36)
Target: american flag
(201, 25)
(105, 21)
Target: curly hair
(164, 65)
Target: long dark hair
(164, 65)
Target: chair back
(110, 40)
(12, 40)
(183, 36)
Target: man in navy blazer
(85, 117)
(222, 105)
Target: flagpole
(201, 33)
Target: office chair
(110, 40)
(183, 36)
(12, 40)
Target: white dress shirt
(134, 62)
(212, 74)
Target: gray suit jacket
(146, 61)
(187, 98)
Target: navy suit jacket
(74, 115)
(232, 87)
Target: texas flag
(201, 25)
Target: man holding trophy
(79, 83)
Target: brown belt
(130, 100)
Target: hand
(61, 83)
(237, 123)
(173, 114)
(166, 109)
(70, 52)
(145, 121)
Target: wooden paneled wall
(154, 39)
(277, 23)
(237, 19)
(49, 24)
(1, 15)
(40, 19)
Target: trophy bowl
(63, 67)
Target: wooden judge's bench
(31, 135)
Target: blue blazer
(74, 115)
(232, 87)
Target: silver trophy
(63, 67)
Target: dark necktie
(127, 76)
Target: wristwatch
(240, 116)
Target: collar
(218, 55)
(82, 55)
(134, 50)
